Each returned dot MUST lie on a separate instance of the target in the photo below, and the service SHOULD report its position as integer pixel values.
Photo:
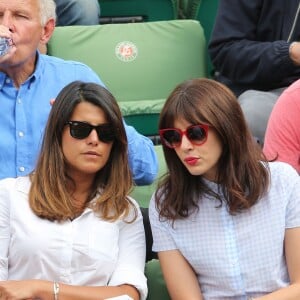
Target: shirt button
(19, 101)
(234, 262)
(7, 80)
(21, 169)
(21, 133)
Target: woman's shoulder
(14, 193)
(19, 184)
(282, 168)
(283, 175)
(134, 208)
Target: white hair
(47, 10)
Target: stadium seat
(157, 289)
(205, 12)
(142, 194)
(140, 63)
(123, 11)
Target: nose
(7, 20)
(185, 143)
(93, 137)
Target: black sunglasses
(172, 137)
(81, 130)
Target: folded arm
(41, 289)
(247, 50)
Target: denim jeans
(77, 12)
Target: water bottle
(4, 45)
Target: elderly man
(29, 80)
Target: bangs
(183, 107)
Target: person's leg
(257, 106)
(77, 12)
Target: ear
(47, 31)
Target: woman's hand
(17, 290)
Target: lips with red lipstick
(191, 160)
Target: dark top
(250, 43)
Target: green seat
(140, 63)
(183, 8)
(205, 12)
(142, 194)
(121, 11)
(157, 289)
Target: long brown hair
(242, 174)
(48, 195)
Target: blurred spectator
(282, 139)
(253, 50)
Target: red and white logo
(126, 51)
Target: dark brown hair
(242, 174)
(49, 197)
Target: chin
(195, 172)
(89, 171)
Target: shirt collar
(40, 65)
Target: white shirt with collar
(86, 251)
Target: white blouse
(87, 251)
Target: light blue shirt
(240, 256)
(24, 113)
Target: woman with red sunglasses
(70, 229)
(225, 221)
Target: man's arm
(142, 157)
(245, 51)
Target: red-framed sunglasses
(172, 137)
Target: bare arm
(180, 278)
(41, 289)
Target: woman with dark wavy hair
(225, 221)
(70, 230)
